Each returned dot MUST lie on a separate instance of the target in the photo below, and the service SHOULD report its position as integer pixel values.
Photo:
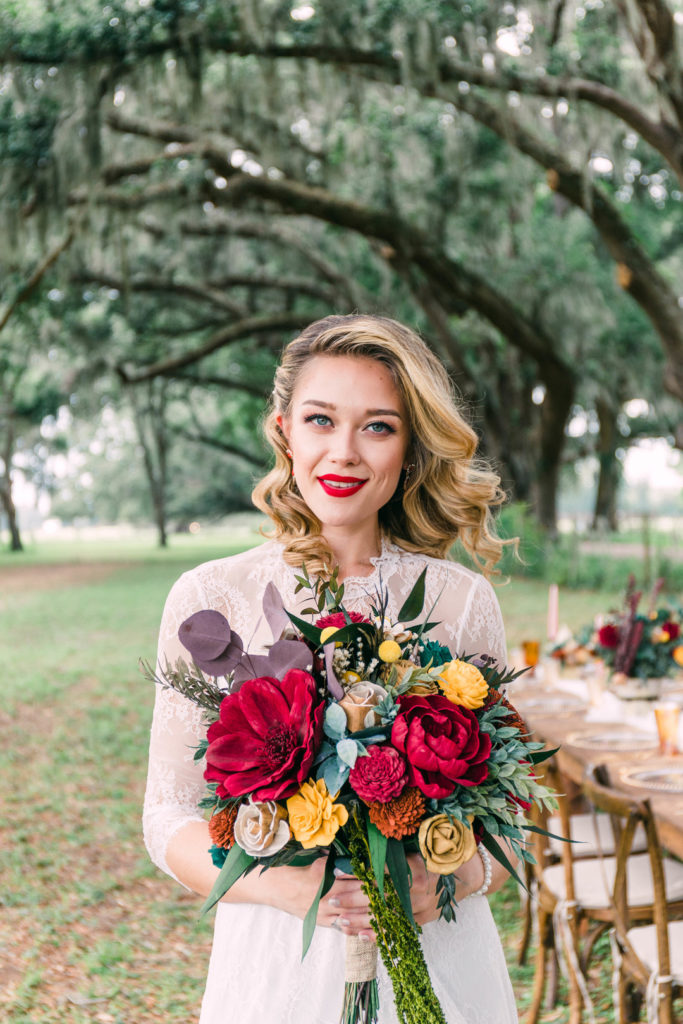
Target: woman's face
(348, 432)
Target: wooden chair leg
(544, 926)
(526, 929)
(553, 985)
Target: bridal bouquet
(362, 741)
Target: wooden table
(555, 727)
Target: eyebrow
(368, 412)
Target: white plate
(669, 780)
(613, 739)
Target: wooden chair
(592, 836)
(574, 904)
(648, 956)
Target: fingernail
(343, 922)
(333, 901)
(364, 938)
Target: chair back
(627, 812)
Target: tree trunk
(555, 409)
(154, 444)
(6, 490)
(605, 511)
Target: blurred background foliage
(184, 184)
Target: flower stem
(397, 941)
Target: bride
(374, 472)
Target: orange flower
(677, 655)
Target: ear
(284, 427)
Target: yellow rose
(314, 818)
(463, 684)
(677, 655)
(389, 651)
(659, 636)
(445, 844)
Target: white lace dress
(256, 974)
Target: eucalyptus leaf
(347, 751)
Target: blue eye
(317, 417)
(380, 427)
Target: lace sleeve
(175, 781)
(483, 629)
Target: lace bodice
(464, 603)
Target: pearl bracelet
(488, 871)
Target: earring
(289, 453)
(408, 472)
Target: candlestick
(553, 611)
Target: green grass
(90, 930)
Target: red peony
(673, 629)
(442, 745)
(608, 636)
(380, 776)
(337, 620)
(266, 737)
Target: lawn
(90, 930)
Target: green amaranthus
(397, 939)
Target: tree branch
(236, 332)
(223, 446)
(175, 289)
(29, 286)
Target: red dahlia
(380, 775)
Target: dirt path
(20, 579)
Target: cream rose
(445, 844)
(358, 700)
(261, 829)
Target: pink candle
(553, 610)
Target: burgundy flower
(266, 737)
(337, 620)
(380, 776)
(442, 744)
(608, 636)
(673, 629)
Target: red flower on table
(442, 744)
(266, 737)
(673, 629)
(380, 775)
(609, 636)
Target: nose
(343, 449)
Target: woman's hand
(344, 907)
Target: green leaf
(542, 755)
(495, 851)
(236, 864)
(378, 854)
(312, 914)
(400, 875)
(311, 633)
(415, 600)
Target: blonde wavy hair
(448, 495)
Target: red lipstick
(340, 486)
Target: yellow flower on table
(314, 817)
(463, 684)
